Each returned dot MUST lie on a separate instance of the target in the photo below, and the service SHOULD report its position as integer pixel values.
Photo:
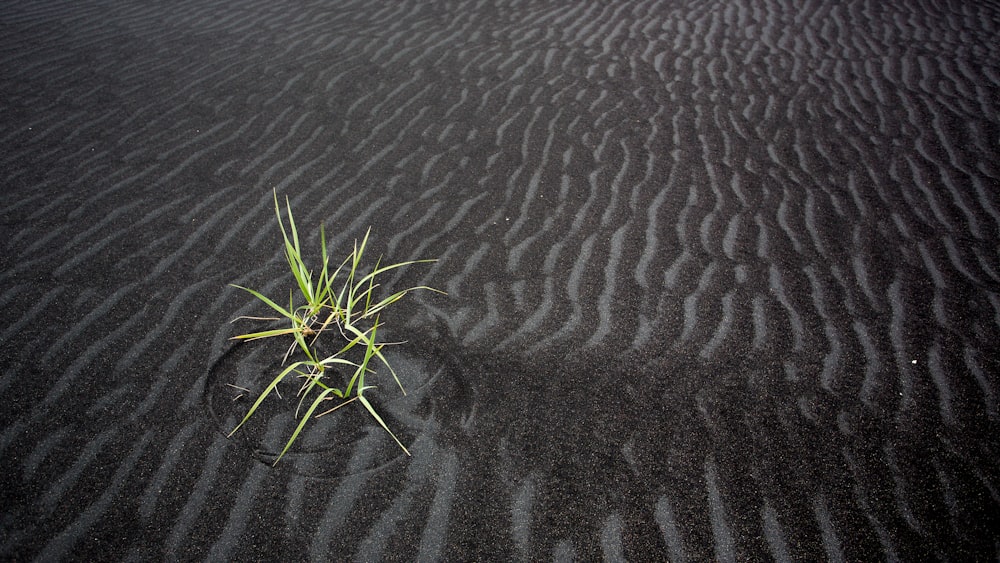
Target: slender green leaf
(397, 296)
(312, 380)
(370, 350)
(291, 226)
(381, 422)
(302, 424)
(267, 391)
(271, 304)
(385, 362)
(335, 360)
(265, 334)
(384, 269)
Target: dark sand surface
(724, 278)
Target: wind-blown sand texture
(724, 278)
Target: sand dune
(724, 279)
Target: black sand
(724, 278)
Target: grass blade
(396, 297)
(313, 380)
(381, 422)
(298, 429)
(347, 402)
(274, 383)
(265, 334)
(271, 304)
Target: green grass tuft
(350, 314)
